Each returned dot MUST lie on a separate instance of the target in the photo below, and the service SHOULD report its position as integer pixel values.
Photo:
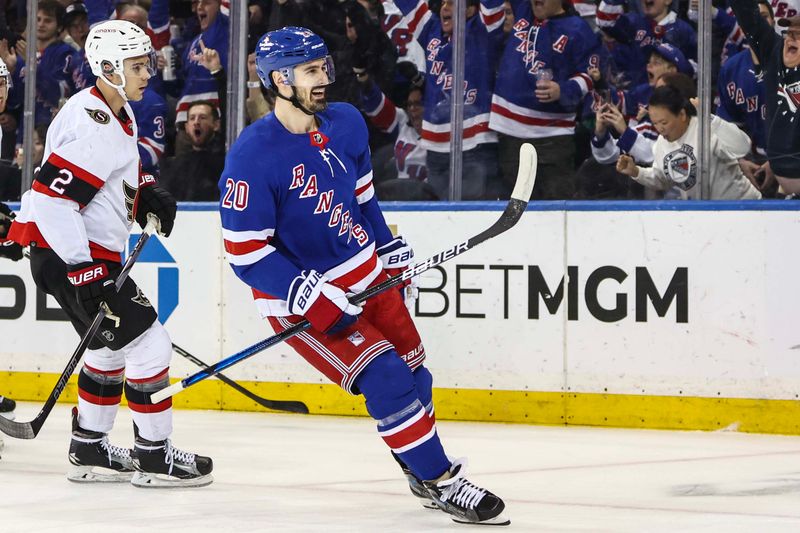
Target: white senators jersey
(81, 202)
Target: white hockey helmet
(110, 43)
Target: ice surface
(318, 473)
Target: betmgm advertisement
(635, 318)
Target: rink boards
(657, 315)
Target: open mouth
(538, 3)
(318, 93)
(203, 18)
(648, 4)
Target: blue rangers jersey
(291, 202)
(199, 84)
(484, 34)
(741, 97)
(150, 114)
(53, 79)
(644, 32)
(566, 45)
(724, 21)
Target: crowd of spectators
(576, 78)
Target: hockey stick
(289, 406)
(29, 430)
(526, 176)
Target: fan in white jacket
(675, 160)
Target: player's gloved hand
(396, 256)
(5, 212)
(8, 249)
(324, 305)
(152, 198)
(93, 285)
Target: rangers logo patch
(356, 338)
(101, 117)
(680, 166)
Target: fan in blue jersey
(541, 82)
(53, 63)
(483, 43)
(303, 228)
(742, 101)
(779, 57)
(656, 24)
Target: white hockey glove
(324, 305)
(396, 256)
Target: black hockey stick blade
(29, 430)
(289, 406)
(526, 177)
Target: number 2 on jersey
(59, 183)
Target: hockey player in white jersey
(76, 219)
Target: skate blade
(428, 504)
(498, 520)
(146, 480)
(97, 474)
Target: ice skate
(415, 486)
(159, 464)
(94, 459)
(7, 406)
(465, 502)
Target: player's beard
(315, 105)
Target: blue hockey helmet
(284, 49)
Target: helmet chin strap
(295, 101)
(120, 88)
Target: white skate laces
(460, 491)
(172, 453)
(114, 451)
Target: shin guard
(403, 423)
(99, 394)
(154, 421)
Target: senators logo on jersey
(130, 197)
(101, 117)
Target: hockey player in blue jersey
(302, 227)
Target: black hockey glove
(8, 249)
(152, 198)
(93, 285)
